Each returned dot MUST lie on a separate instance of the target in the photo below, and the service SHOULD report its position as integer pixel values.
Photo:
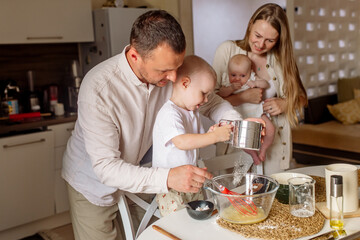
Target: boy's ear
(185, 81)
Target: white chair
(151, 209)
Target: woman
(268, 44)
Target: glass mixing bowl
(248, 201)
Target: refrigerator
(112, 28)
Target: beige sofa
(322, 139)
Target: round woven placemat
(280, 224)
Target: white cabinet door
(44, 21)
(62, 132)
(26, 178)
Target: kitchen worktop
(8, 128)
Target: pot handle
(230, 122)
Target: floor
(61, 233)
(66, 233)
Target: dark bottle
(33, 97)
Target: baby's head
(195, 80)
(239, 68)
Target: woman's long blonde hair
(283, 51)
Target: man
(117, 107)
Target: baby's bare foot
(262, 155)
(254, 156)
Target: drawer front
(26, 178)
(62, 133)
(59, 153)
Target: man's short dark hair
(154, 28)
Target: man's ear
(134, 55)
(185, 81)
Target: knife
(325, 236)
(353, 236)
(334, 234)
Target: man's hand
(187, 178)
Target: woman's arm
(276, 106)
(221, 58)
(252, 95)
(225, 91)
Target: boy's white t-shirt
(170, 122)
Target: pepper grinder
(336, 202)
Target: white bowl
(282, 194)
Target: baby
(239, 78)
(178, 132)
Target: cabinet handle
(69, 129)
(48, 37)
(21, 144)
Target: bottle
(336, 202)
(33, 98)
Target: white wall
(215, 21)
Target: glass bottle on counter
(336, 202)
(33, 98)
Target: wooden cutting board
(321, 206)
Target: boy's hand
(222, 133)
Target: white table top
(183, 226)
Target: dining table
(181, 225)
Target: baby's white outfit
(248, 110)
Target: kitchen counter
(8, 128)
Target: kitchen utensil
(200, 209)
(334, 234)
(33, 98)
(11, 92)
(352, 236)
(245, 134)
(166, 233)
(243, 206)
(59, 109)
(257, 189)
(282, 194)
(302, 196)
(22, 116)
(53, 95)
(350, 185)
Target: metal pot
(245, 134)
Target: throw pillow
(356, 93)
(346, 88)
(347, 112)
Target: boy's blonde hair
(192, 66)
